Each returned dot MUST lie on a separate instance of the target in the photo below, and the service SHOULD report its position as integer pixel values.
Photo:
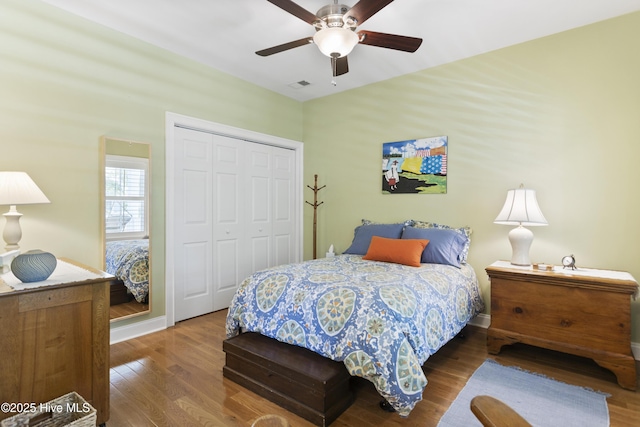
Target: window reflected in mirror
(126, 197)
(125, 191)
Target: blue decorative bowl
(33, 266)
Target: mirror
(125, 200)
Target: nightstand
(584, 312)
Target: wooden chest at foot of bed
(299, 380)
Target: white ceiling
(225, 34)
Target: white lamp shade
(521, 208)
(17, 188)
(334, 41)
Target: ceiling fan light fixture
(335, 40)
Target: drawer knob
(518, 310)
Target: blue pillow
(364, 233)
(445, 246)
(465, 231)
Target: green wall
(66, 82)
(560, 114)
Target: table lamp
(521, 208)
(17, 188)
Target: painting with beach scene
(416, 166)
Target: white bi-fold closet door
(233, 214)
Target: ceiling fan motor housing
(331, 16)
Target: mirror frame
(103, 158)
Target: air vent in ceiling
(300, 84)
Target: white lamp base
(520, 239)
(12, 231)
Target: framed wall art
(417, 166)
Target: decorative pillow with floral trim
(465, 231)
(406, 223)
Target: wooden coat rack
(315, 205)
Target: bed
(128, 261)
(382, 319)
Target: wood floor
(174, 378)
(126, 309)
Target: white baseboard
(484, 320)
(635, 349)
(138, 329)
(481, 320)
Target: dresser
(54, 337)
(585, 312)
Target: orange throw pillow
(399, 251)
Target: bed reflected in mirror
(125, 223)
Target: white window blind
(126, 196)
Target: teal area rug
(540, 400)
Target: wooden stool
(270, 420)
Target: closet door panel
(259, 209)
(282, 204)
(227, 276)
(193, 224)
(259, 253)
(228, 219)
(282, 252)
(196, 277)
(195, 206)
(259, 212)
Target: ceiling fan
(336, 34)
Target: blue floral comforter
(128, 260)
(382, 320)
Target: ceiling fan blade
(295, 10)
(339, 66)
(285, 46)
(365, 9)
(390, 41)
